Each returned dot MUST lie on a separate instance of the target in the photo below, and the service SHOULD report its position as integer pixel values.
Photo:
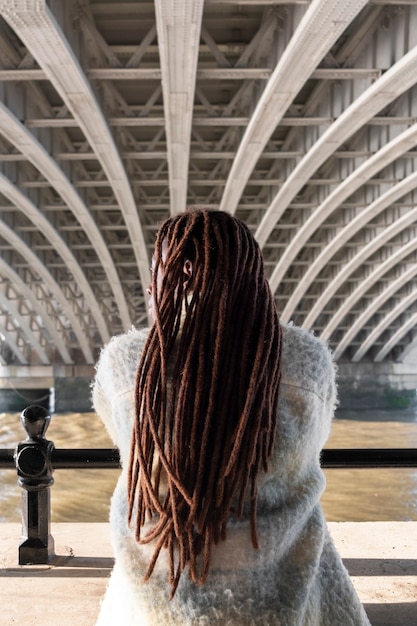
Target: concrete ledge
(69, 591)
(380, 556)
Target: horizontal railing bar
(7, 460)
(94, 458)
(71, 458)
(362, 458)
(331, 458)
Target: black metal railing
(331, 458)
(36, 458)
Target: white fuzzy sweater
(296, 577)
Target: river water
(351, 495)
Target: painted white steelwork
(299, 117)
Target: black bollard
(34, 469)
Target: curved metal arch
(2, 361)
(178, 41)
(400, 77)
(398, 335)
(321, 25)
(361, 289)
(30, 147)
(23, 203)
(65, 73)
(385, 322)
(9, 305)
(50, 281)
(386, 155)
(13, 347)
(407, 350)
(376, 207)
(27, 293)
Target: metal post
(34, 469)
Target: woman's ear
(188, 268)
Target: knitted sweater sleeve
(309, 377)
(115, 382)
(102, 407)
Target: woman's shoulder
(305, 357)
(126, 344)
(120, 357)
(296, 337)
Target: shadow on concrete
(64, 567)
(382, 567)
(396, 614)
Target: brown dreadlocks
(206, 390)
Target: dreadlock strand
(217, 445)
(133, 468)
(253, 503)
(206, 390)
(206, 557)
(257, 378)
(165, 462)
(158, 548)
(140, 469)
(175, 581)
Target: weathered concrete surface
(67, 592)
(380, 556)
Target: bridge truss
(298, 117)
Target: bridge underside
(299, 117)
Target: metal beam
(398, 79)
(44, 226)
(360, 176)
(20, 287)
(407, 185)
(212, 73)
(396, 337)
(27, 144)
(178, 27)
(319, 28)
(389, 318)
(28, 21)
(36, 264)
(10, 341)
(377, 301)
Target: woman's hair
(206, 390)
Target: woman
(220, 414)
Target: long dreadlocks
(206, 390)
